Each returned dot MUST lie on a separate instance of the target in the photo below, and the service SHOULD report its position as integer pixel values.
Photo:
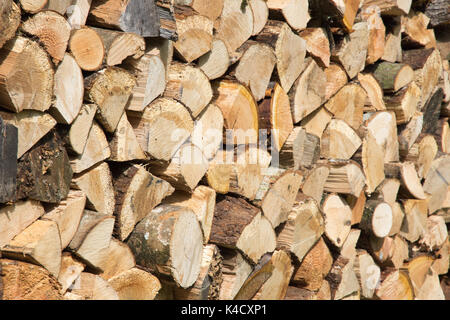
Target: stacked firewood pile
(226, 149)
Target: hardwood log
(159, 242)
(87, 48)
(239, 225)
(135, 284)
(19, 88)
(137, 192)
(10, 18)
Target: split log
(208, 284)
(417, 270)
(95, 150)
(120, 45)
(115, 260)
(342, 279)
(431, 288)
(436, 183)
(407, 174)
(372, 158)
(390, 7)
(190, 86)
(150, 74)
(317, 45)
(276, 286)
(208, 128)
(442, 135)
(315, 182)
(308, 92)
(238, 171)
(31, 127)
(140, 17)
(44, 173)
(162, 128)
(68, 90)
(314, 267)
(382, 126)
(195, 33)
(347, 104)
(80, 129)
(317, 121)
(303, 228)
(377, 218)
(38, 244)
(9, 138)
(21, 89)
(397, 218)
(431, 112)
(124, 145)
(348, 249)
(415, 31)
(357, 205)
(10, 20)
(377, 33)
(25, 281)
(422, 153)
(137, 192)
(92, 287)
(202, 202)
(395, 285)
(110, 90)
(277, 193)
(373, 89)
(427, 66)
(32, 6)
(87, 48)
(339, 141)
(92, 237)
(169, 242)
(301, 150)
(235, 271)
(185, 170)
(295, 293)
(240, 112)
(70, 270)
(96, 183)
(135, 284)
(441, 264)
(52, 30)
(77, 13)
(67, 215)
(415, 220)
(436, 233)
(235, 25)
(255, 68)
(17, 217)
(410, 133)
(215, 63)
(352, 52)
(393, 76)
(393, 44)
(367, 272)
(337, 217)
(295, 12)
(275, 116)
(404, 103)
(260, 13)
(336, 79)
(239, 225)
(346, 178)
(261, 273)
(290, 51)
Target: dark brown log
(44, 172)
(439, 13)
(8, 161)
